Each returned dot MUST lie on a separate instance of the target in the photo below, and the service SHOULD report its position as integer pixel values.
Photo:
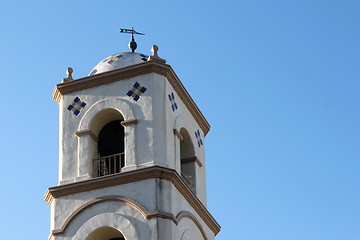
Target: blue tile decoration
(198, 137)
(172, 101)
(76, 106)
(113, 58)
(144, 57)
(136, 91)
(93, 72)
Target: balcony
(108, 165)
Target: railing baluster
(108, 165)
(98, 168)
(115, 164)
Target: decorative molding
(129, 122)
(141, 209)
(192, 159)
(133, 71)
(137, 206)
(177, 133)
(162, 214)
(134, 176)
(87, 132)
(185, 214)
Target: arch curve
(128, 201)
(137, 206)
(117, 104)
(112, 220)
(93, 120)
(106, 233)
(189, 215)
(187, 235)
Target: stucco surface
(151, 141)
(118, 60)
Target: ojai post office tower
(131, 155)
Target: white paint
(149, 142)
(115, 220)
(126, 59)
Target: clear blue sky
(277, 80)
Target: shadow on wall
(187, 154)
(106, 233)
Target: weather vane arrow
(132, 43)
(132, 31)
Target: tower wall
(160, 191)
(178, 117)
(161, 214)
(144, 141)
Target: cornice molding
(87, 132)
(192, 159)
(133, 71)
(134, 176)
(129, 122)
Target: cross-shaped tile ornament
(198, 137)
(113, 58)
(172, 101)
(76, 106)
(136, 91)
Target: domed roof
(118, 60)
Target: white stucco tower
(131, 157)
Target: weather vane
(132, 43)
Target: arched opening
(188, 160)
(106, 233)
(111, 157)
(111, 139)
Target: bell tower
(131, 155)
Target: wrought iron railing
(108, 165)
(187, 180)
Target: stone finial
(69, 72)
(154, 50)
(155, 56)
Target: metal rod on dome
(132, 43)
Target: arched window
(188, 160)
(111, 139)
(111, 157)
(106, 233)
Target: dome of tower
(118, 60)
